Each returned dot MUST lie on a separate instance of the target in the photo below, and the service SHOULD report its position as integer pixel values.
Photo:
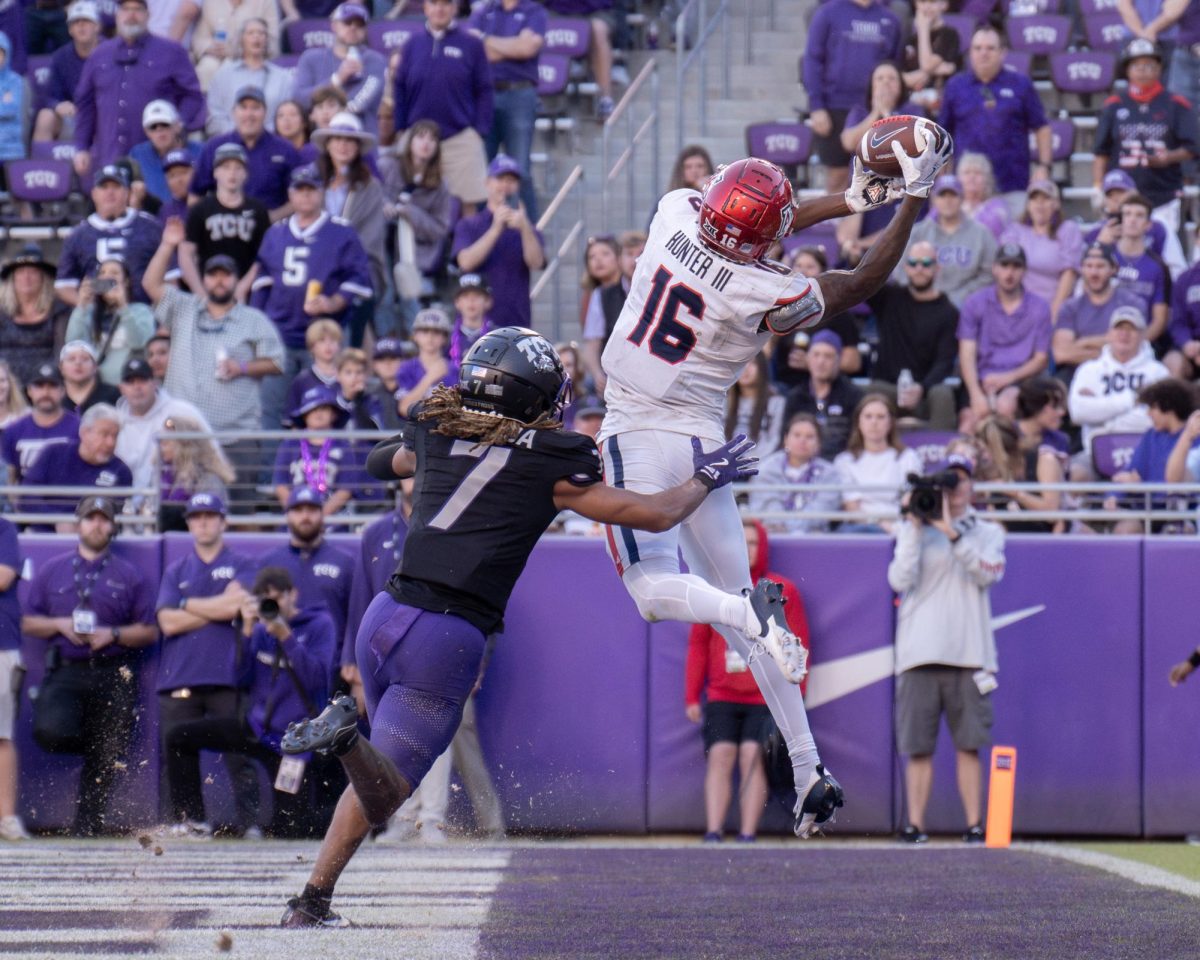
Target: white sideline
(1142, 873)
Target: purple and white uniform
(24, 440)
(134, 237)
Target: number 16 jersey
(691, 322)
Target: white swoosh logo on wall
(846, 675)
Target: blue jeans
(1183, 77)
(515, 111)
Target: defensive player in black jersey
(492, 469)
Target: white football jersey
(691, 322)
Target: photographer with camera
(945, 562)
(288, 650)
(108, 318)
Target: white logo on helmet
(537, 351)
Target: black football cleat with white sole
(820, 799)
(305, 914)
(334, 730)
(776, 637)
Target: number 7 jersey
(691, 322)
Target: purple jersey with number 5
(692, 321)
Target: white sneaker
(816, 803)
(253, 832)
(434, 833)
(11, 828)
(190, 830)
(400, 830)
(766, 600)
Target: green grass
(1176, 857)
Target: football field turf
(592, 898)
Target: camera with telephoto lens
(268, 608)
(925, 499)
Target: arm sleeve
(189, 99)
(399, 103)
(169, 593)
(355, 274)
(379, 460)
(202, 178)
(365, 101)
(981, 551)
(1099, 408)
(1180, 329)
(85, 106)
(484, 94)
(696, 670)
(814, 59)
(71, 261)
(906, 558)
(305, 80)
(312, 660)
(142, 609)
(1140, 460)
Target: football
(875, 148)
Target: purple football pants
(418, 668)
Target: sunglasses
(921, 261)
(159, 126)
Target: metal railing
(631, 134)
(562, 266)
(685, 59)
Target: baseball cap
(304, 496)
(72, 345)
(1042, 185)
(111, 173)
(204, 503)
(959, 461)
(1011, 253)
(177, 158)
(136, 368)
(313, 397)
(230, 151)
(1117, 180)
(83, 10)
(46, 373)
(386, 348)
(502, 165)
(829, 337)
(1102, 250)
(350, 11)
(1140, 47)
(1128, 314)
(95, 504)
(432, 318)
(144, 3)
(221, 261)
(472, 281)
(947, 183)
(251, 91)
(306, 176)
(159, 111)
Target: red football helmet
(746, 207)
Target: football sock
(670, 595)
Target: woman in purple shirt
(1053, 245)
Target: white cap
(159, 111)
(83, 10)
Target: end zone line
(1140, 873)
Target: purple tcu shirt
(23, 439)
(994, 119)
(328, 250)
(134, 236)
(447, 80)
(270, 163)
(1144, 276)
(325, 465)
(1086, 319)
(491, 18)
(116, 591)
(66, 69)
(118, 81)
(504, 269)
(412, 370)
(1185, 307)
(1005, 340)
(206, 656)
(311, 651)
(60, 465)
(10, 608)
(845, 43)
(378, 558)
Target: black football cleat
(821, 798)
(334, 731)
(301, 913)
(766, 600)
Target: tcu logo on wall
(783, 142)
(562, 37)
(317, 38)
(40, 178)
(395, 39)
(1040, 34)
(1084, 71)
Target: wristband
(1194, 659)
(707, 481)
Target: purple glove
(727, 463)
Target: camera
(268, 608)
(103, 285)
(925, 501)
(513, 201)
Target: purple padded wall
(1171, 738)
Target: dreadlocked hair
(454, 420)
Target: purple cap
(387, 347)
(204, 503)
(350, 11)
(318, 396)
(304, 496)
(1117, 180)
(306, 176)
(829, 337)
(503, 164)
(959, 461)
(113, 174)
(947, 182)
(177, 158)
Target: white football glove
(920, 171)
(869, 190)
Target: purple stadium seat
(964, 24)
(287, 60)
(1112, 452)
(823, 235)
(304, 34)
(1105, 31)
(1083, 71)
(52, 150)
(1062, 139)
(786, 144)
(388, 36)
(1029, 8)
(569, 36)
(978, 9)
(1039, 34)
(38, 181)
(1018, 60)
(37, 72)
(1094, 8)
(928, 445)
(554, 70)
